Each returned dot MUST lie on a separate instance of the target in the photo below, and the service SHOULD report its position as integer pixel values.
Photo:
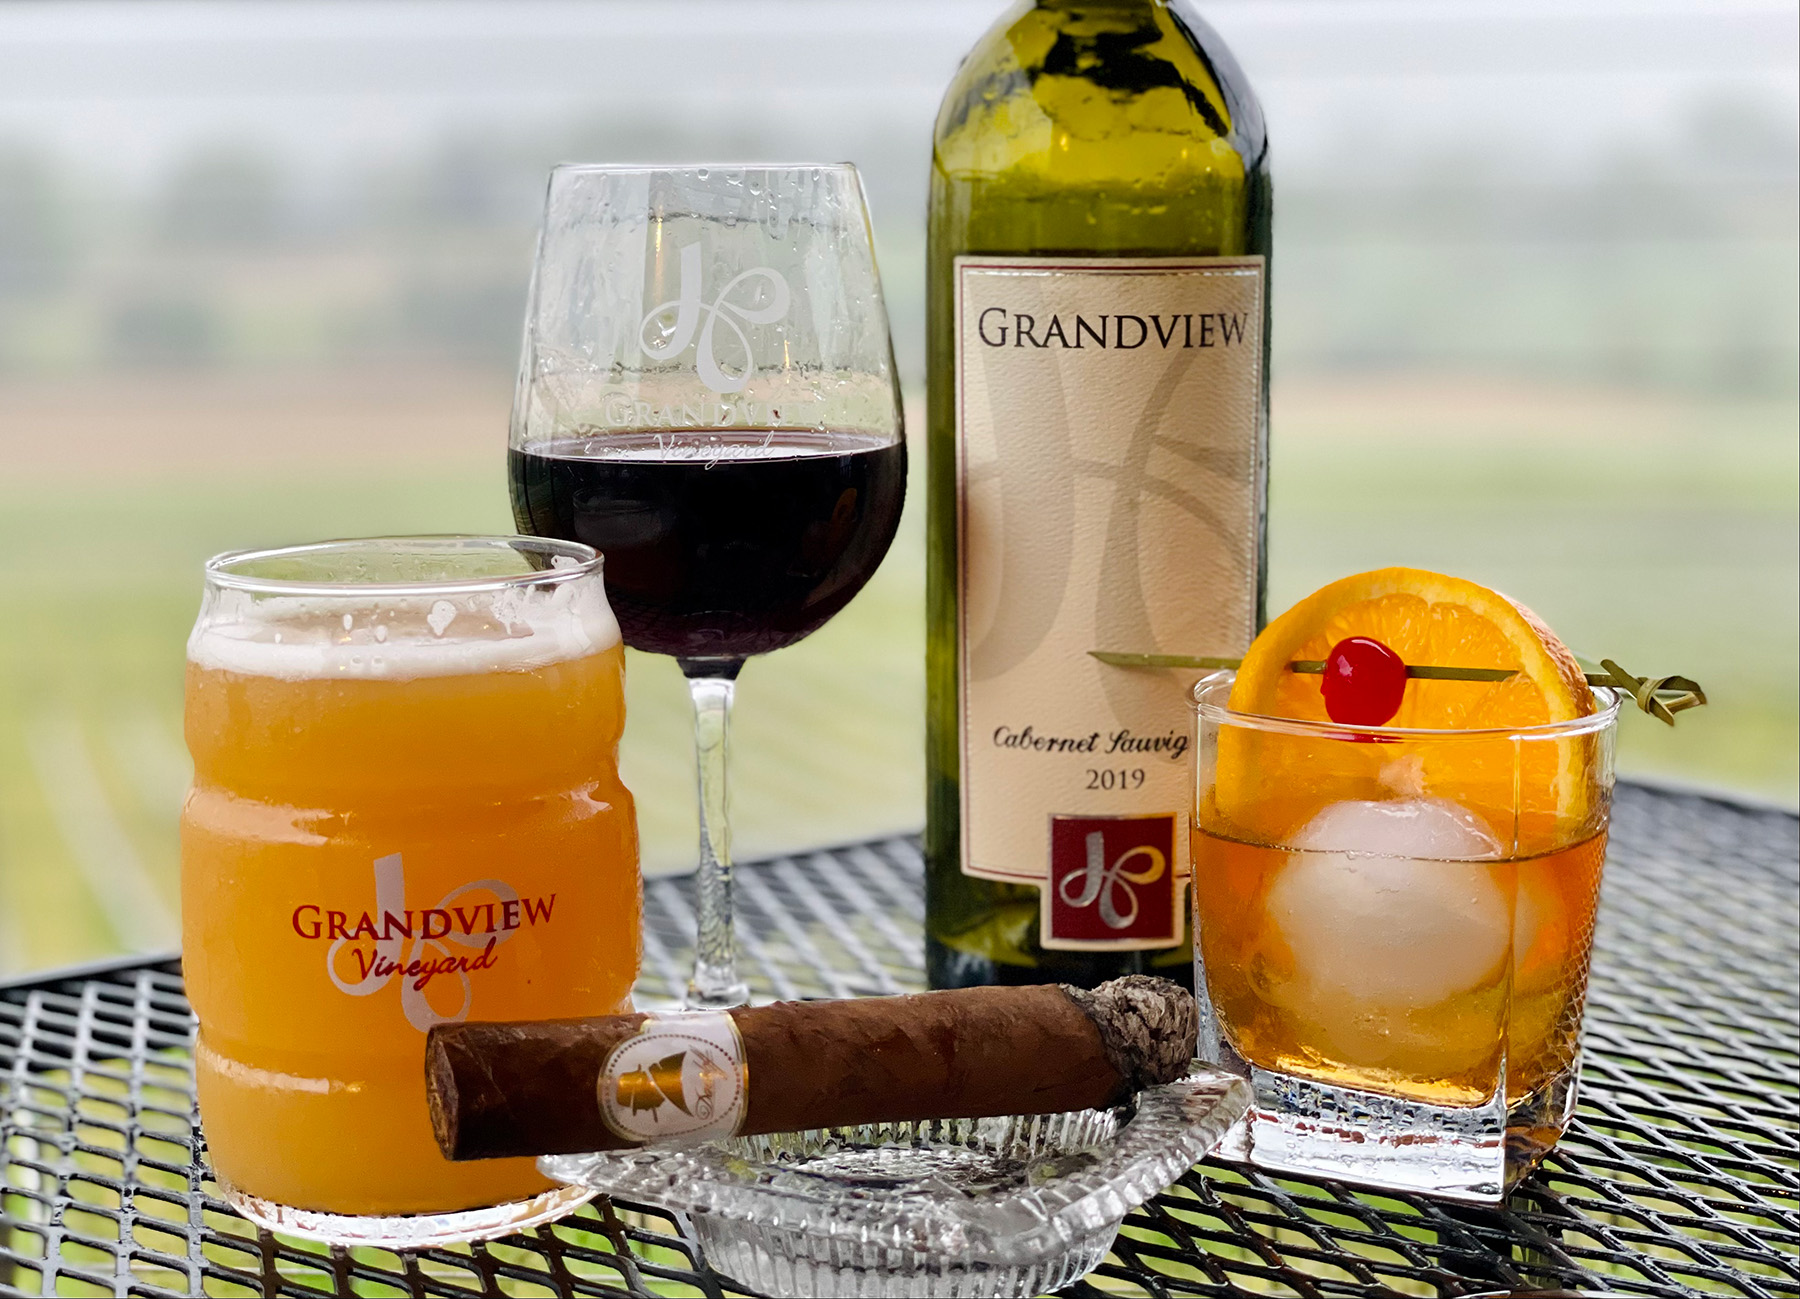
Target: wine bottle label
(1108, 478)
(679, 1076)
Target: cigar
(618, 1082)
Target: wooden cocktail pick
(1661, 697)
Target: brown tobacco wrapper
(546, 1088)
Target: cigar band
(680, 1076)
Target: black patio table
(1681, 1173)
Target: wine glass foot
(711, 995)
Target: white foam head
(398, 638)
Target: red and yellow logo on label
(1112, 882)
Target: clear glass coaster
(949, 1207)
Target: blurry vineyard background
(262, 268)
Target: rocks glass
(1392, 932)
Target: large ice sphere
(1393, 917)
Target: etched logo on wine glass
(758, 296)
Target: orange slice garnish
(1269, 784)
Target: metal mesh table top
(1681, 1173)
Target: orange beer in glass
(406, 811)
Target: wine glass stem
(715, 983)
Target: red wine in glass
(719, 544)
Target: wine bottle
(1098, 415)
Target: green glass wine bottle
(1098, 364)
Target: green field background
(1659, 531)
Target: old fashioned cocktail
(1393, 921)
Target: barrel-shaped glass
(406, 811)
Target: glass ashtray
(947, 1207)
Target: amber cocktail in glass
(1393, 927)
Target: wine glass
(707, 396)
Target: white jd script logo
(411, 944)
(1107, 884)
(661, 340)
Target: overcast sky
(126, 84)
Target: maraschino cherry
(1364, 682)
